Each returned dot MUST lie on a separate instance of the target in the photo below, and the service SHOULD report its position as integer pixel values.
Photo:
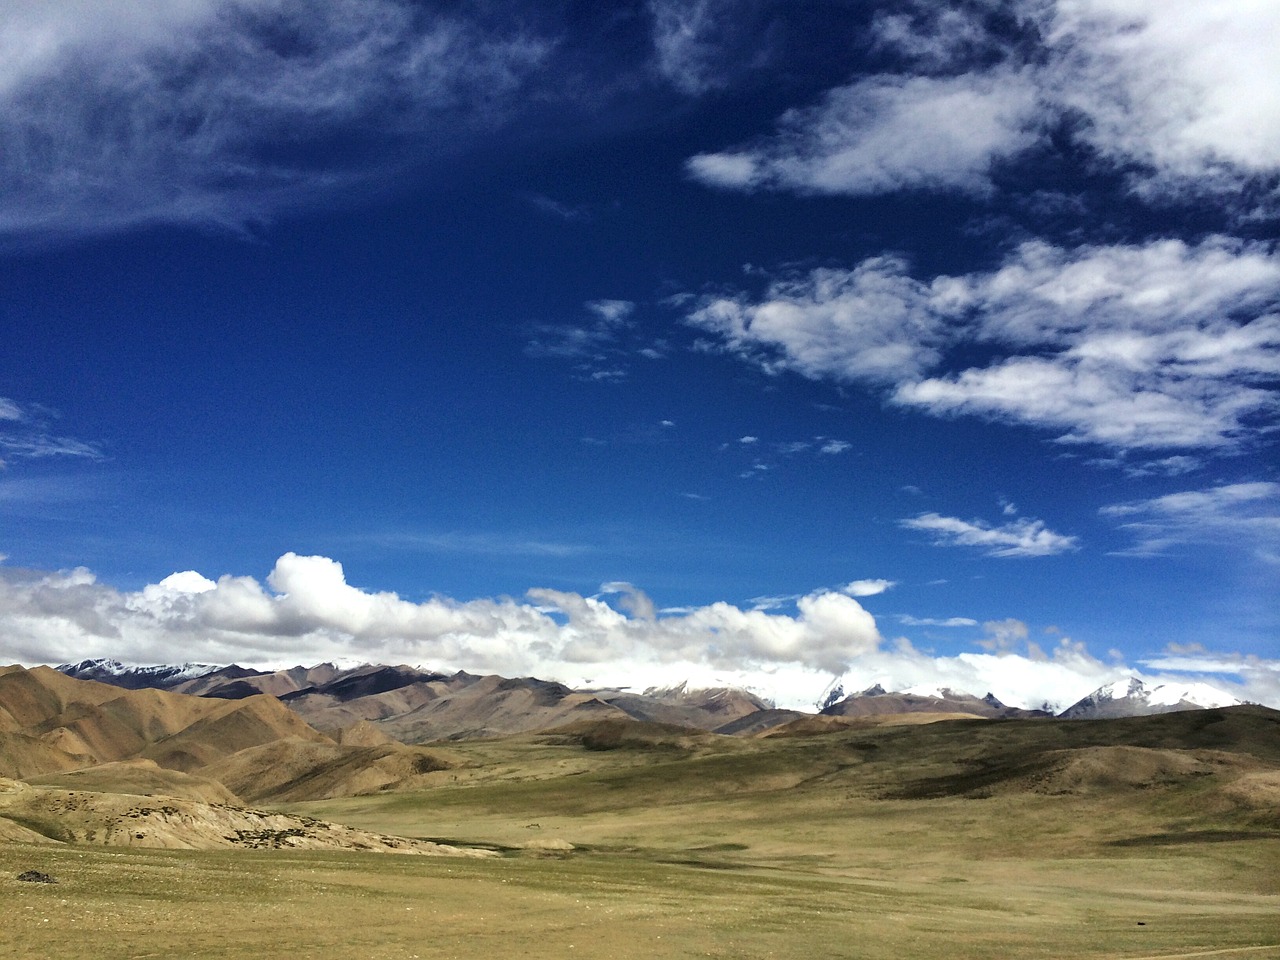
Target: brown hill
(234, 682)
(814, 726)
(362, 733)
(338, 705)
(294, 770)
(412, 704)
(876, 700)
(85, 735)
(123, 820)
(32, 696)
(494, 706)
(64, 723)
(706, 709)
(621, 733)
(23, 756)
(141, 777)
(231, 726)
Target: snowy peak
(1130, 697)
(160, 676)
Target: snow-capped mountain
(159, 676)
(1130, 697)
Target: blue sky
(722, 340)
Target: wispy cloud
(599, 348)
(24, 435)
(910, 621)
(572, 213)
(699, 45)
(1242, 514)
(1020, 538)
(771, 455)
(217, 111)
(482, 544)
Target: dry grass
(957, 840)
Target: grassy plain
(957, 840)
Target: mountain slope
(876, 700)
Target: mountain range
(82, 760)
(414, 705)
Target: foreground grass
(845, 846)
(250, 904)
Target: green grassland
(1158, 838)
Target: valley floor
(964, 842)
(1187, 902)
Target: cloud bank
(306, 611)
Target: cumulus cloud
(1187, 90)
(1183, 96)
(1242, 514)
(306, 608)
(1023, 537)
(306, 611)
(1130, 346)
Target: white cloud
(887, 133)
(1159, 345)
(118, 113)
(1189, 90)
(872, 323)
(835, 446)
(611, 312)
(1020, 538)
(1261, 677)
(24, 435)
(307, 612)
(307, 609)
(1047, 295)
(867, 588)
(1182, 95)
(1242, 514)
